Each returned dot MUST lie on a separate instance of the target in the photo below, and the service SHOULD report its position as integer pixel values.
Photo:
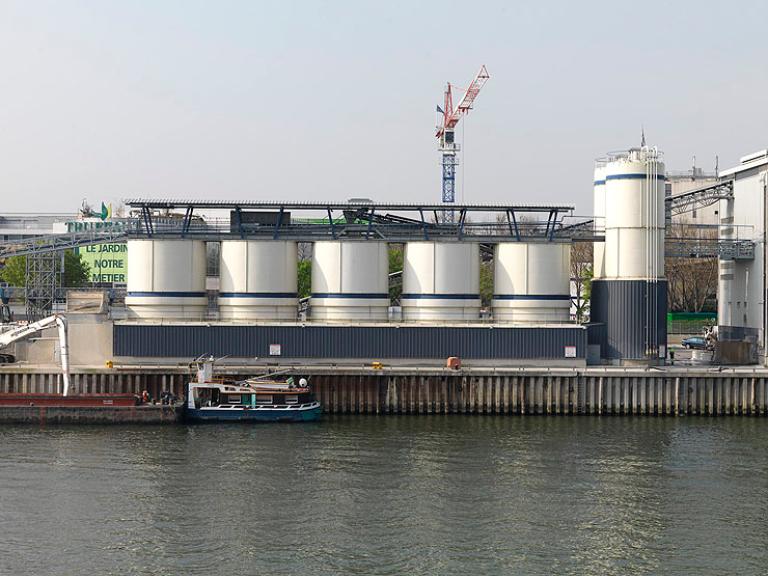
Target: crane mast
(446, 132)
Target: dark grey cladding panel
(738, 334)
(364, 342)
(634, 313)
(596, 334)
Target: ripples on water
(388, 495)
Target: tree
(304, 250)
(395, 265)
(76, 272)
(581, 276)
(15, 271)
(212, 258)
(486, 282)
(305, 278)
(304, 269)
(691, 281)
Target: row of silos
(350, 281)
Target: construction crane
(26, 330)
(445, 132)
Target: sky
(316, 101)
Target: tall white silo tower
(630, 296)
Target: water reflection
(388, 495)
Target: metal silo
(350, 281)
(258, 280)
(441, 282)
(166, 279)
(532, 282)
(631, 297)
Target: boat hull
(251, 415)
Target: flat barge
(45, 415)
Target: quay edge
(425, 390)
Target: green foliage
(395, 259)
(395, 265)
(486, 282)
(305, 278)
(14, 271)
(76, 272)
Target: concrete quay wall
(468, 391)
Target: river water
(463, 495)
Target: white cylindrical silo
(599, 215)
(166, 279)
(350, 281)
(532, 282)
(634, 216)
(258, 280)
(441, 282)
(630, 299)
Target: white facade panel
(742, 286)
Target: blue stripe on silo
(599, 182)
(349, 295)
(439, 296)
(166, 294)
(531, 296)
(258, 295)
(633, 177)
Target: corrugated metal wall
(367, 342)
(629, 309)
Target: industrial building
(255, 312)
(742, 282)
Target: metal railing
(714, 248)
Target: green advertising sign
(108, 262)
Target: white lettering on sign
(570, 351)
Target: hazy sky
(330, 100)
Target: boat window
(292, 399)
(206, 397)
(234, 398)
(263, 398)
